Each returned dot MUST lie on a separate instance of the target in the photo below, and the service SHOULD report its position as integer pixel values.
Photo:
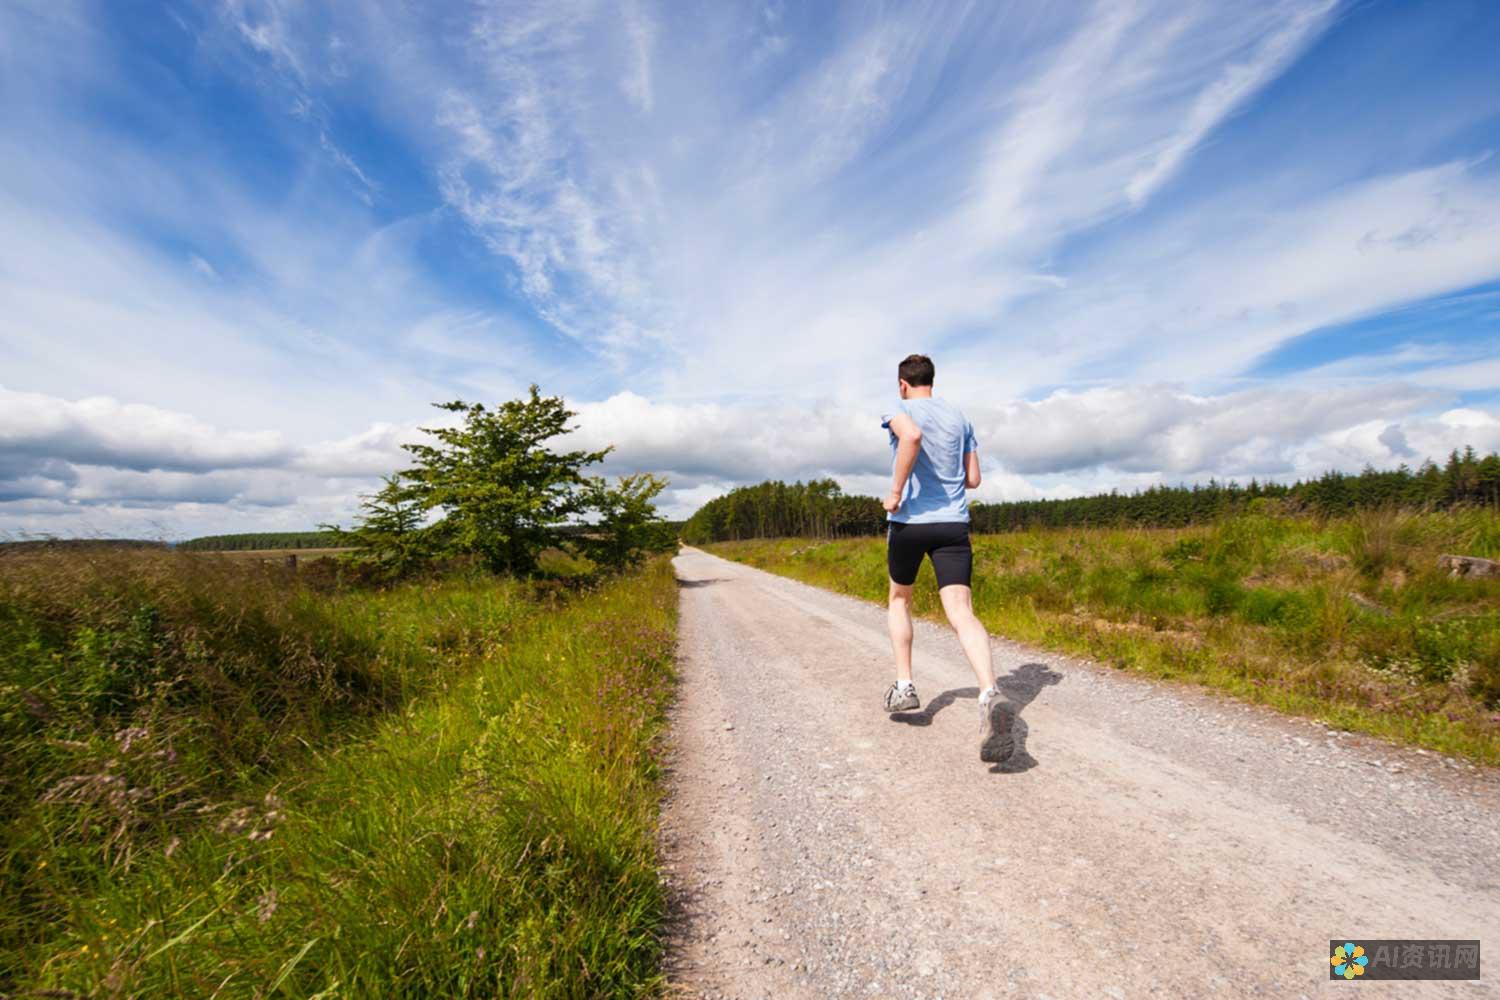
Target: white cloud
(1238, 81)
(1169, 432)
(1203, 296)
(1158, 431)
(891, 183)
(263, 25)
(1433, 367)
(304, 330)
(737, 223)
(203, 267)
(641, 35)
(103, 431)
(373, 452)
(108, 455)
(677, 248)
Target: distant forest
(263, 540)
(819, 509)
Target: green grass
(223, 782)
(1349, 621)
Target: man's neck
(919, 392)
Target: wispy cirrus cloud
(660, 245)
(1239, 79)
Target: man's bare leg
(958, 604)
(996, 720)
(898, 616)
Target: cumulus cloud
(103, 431)
(1136, 434)
(108, 455)
(1101, 438)
(373, 452)
(735, 443)
(60, 458)
(1165, 430)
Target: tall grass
(443, 789)
(1347, 620)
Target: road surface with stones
(1144, 839)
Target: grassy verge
(1348, 621)
(234, 786)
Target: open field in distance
(282, 554)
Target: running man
(934, 459)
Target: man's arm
(971, 457)
(908, 446)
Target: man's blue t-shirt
(935, 489)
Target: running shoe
(902, 698)
(997, 719)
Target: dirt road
(1145, 840)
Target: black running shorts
(946, 542)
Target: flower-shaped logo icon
(1349, 960)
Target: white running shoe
(997, 719)
(901, 698)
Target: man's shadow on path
(1017, 689)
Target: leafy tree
(390, 528)
(491, 488)
(500, 492)
(628, 526)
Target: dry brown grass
(277, 555)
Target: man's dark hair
(916, 370)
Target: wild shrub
(1244, 542)
(1184, 551)
(1279, 608)
(1484, 680)
(492, 835)
(1379, 539)
(144, 693)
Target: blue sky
(245, 244)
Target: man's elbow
(972, 482)
(912, 437)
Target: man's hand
(892, 501)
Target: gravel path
(1145, 840)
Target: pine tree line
(262, 540)
(819, 509)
